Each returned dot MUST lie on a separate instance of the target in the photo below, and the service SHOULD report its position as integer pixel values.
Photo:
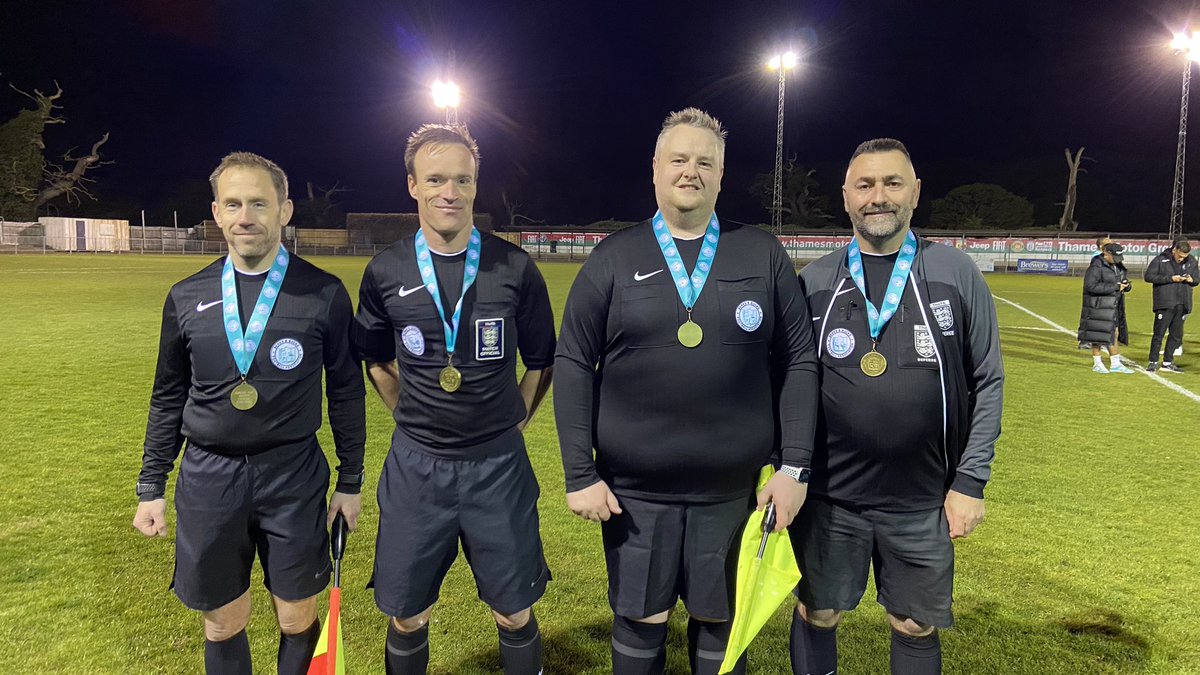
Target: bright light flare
(787, 61)
(1188, 44)
(446, 94)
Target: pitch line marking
(1153, 376)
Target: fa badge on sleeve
(489, 339)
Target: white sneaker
(1119, 368)
(1099, 368)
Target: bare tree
(72, 184)
(515, 218)
(1067, 222)
(27, 181)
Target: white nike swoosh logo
(201, 306)
(638, 276)
(409, 291)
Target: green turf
(1086, 564)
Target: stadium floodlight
(781, 63)
(1186, 44)
(447, 95)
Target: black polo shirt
(669, 423)
(507, 311)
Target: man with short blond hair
(446, 312)
(243, 346)
(674, 333)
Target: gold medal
(243, 396)
(450, 379)
(873, 364)
(690, 334)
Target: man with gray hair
(905, 327)
(243, 346)
(673, 335)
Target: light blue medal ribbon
(450, 379)
(689, 288)
(873, 363)
(243, 343)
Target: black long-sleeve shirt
(671, 423)
(196, 372)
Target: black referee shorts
(227, 508)
(911, 552)
(428, 503)
(659, 552)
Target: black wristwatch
(796, 473)
(351, 479)
(152, 490)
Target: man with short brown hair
(243, 347)
(446, 312)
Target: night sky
(566, 98)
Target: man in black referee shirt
(672, 336)
(911, 390)
(243, 345)
(441, 318)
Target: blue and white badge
(287, 354)
(489, 339)
(749, 316)
(839, 343)
(413, 340)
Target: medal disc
(450, 379)
(243, 396)
(873, 364)
(690, 334)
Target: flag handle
(768, 525)
(337, 546)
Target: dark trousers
(1169, 321)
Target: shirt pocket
(650, 315)
(745, 306)
(492, 334)
(211, 358)
(291, 349)
(419, 335)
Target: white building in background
(86, 234)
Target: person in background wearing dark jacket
(911, 397)
(1102, 319)
(1174, 274)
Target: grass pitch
(1086, 563)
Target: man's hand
(1178, 278)
(151, 518)
(595, 502)
(788, 495)
(347, 505)
(963, 514)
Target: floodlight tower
(781, 63)
(1187, 45)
